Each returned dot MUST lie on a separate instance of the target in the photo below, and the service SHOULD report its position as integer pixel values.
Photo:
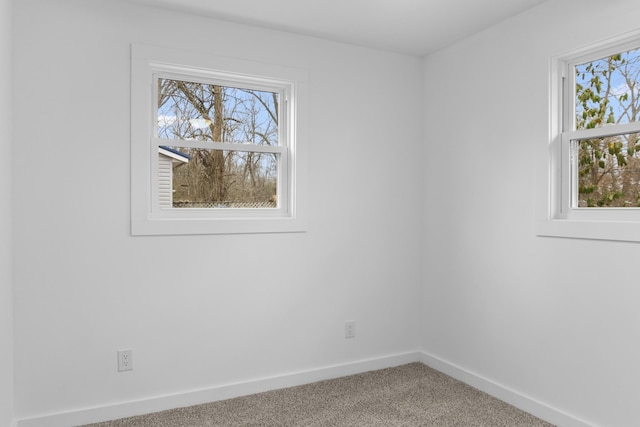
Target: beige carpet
(408, 395)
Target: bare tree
(221, 114)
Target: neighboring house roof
(174, 154)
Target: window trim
(555, 217)
(150, 62)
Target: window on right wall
(594, 153)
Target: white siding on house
(165, 178)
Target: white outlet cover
(350, 329)
(125, 360)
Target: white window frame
(557, 215)
(148, 63)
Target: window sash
(568, 185)
(282, 208)
(210, 77)
(569, 181)
(568, 76)
(283, 89)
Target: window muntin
(238, 166)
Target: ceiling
(416, 27)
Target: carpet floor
(407, 396)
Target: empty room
(205, 200)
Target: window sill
(193, 226)
(625, 231)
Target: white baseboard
(512, 397)
(195, 397)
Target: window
(216, 144)
(593, 181)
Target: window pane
(608, 171)
(224, 179)
(607, 90)
(215, 113)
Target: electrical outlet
(350, 329)
(125, 360)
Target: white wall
(201, 311)
(6, 273)
(554, 319)
(548, 318)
